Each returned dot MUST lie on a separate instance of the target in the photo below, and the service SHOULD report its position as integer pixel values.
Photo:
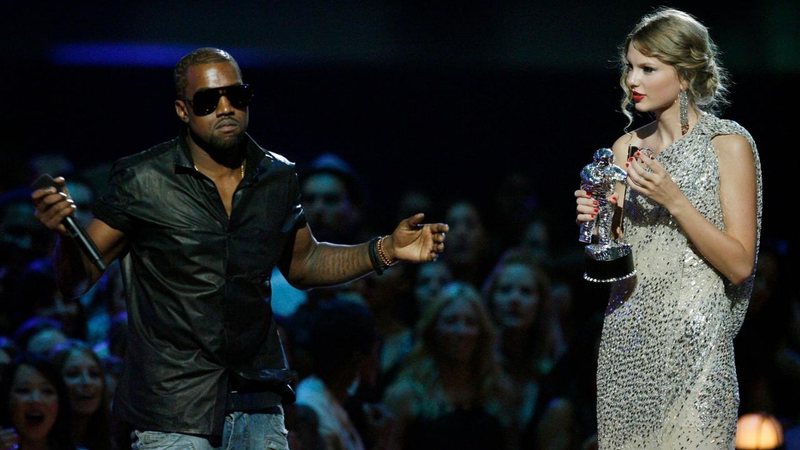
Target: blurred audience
(343, 338)
(35, 408)
(41, 296)
(302, 423)
(515, 203)
(8, 350)
(333, 198)
(530, 339)
(39, 335)
(429, 280)
(469, 254)
(389, 296)
(413, 201)
(452, 392)
(22, 241)
(512, 367)
(565, 415)
(82, 372)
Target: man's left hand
(414, 241)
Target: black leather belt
(254, 402)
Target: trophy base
(608, 263)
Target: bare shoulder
(734, 152)
(732, 143)
(735, 158)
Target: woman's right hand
(587, 206)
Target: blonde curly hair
(680, 40)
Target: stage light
(756, 431)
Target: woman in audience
(518, 295)
(83, 374)
(35, 411)
(429, 279)
(452, 393)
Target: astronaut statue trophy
(607, 259)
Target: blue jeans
(242, 431)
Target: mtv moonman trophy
(609, 259)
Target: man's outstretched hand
(415, 241)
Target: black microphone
(74, 229)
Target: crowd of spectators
(492, 346)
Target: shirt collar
(257, 157)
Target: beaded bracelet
(373, 255)
(384, 259)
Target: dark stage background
(447, 96)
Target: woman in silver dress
(692, 213)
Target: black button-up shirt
(197, 282)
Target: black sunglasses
(205, 101)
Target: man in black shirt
(199, 222)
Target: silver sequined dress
(666, 376)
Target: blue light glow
(144, 55)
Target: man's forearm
(330, 264)
(73, 270)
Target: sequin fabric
(666, 376)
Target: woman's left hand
(647, 176)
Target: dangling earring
(683, 104)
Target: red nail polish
(627, 164)
(588, 194)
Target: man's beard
(228, 152)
